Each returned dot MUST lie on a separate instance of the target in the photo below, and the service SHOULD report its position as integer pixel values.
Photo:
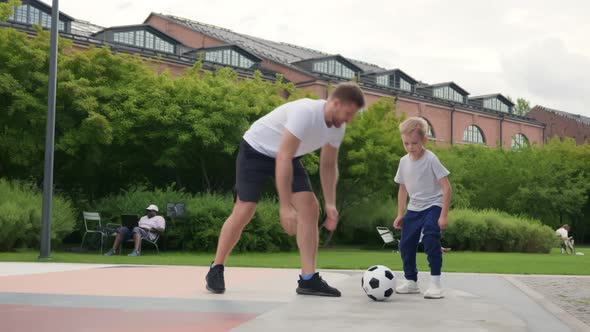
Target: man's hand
(443, 222)
(331, 217)
(288, 219)
(397, 223)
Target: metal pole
(50, 137)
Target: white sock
(435, 280)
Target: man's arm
(284, 179)
(329, 173)
(284, 166)
(329, 178)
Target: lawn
(512, 263)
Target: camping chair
(387, 236)
(153, 242)
(91, 218)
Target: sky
(533, 49)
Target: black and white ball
(379, 283)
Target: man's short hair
(566, 226)
(349, 92)
(412, 124)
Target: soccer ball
(379, 282)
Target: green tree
(369, 155)
(7, 9)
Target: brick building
(454, 116)
(562, 124)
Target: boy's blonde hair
(414, 124)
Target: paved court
(82, 297)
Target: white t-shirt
(562, 232)
(304, 118)
(153, 222)
(421, 178)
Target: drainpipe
(501, 137)
(452, 123)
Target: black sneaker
(316, 286)
(215, 280)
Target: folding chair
(89, 219)
(387, 237)
(153, 242)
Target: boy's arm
(446, 188)
(402, 196)
(329, 178)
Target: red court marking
(26, 318)
(161, 282)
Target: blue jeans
(414, 223)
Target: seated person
(148, 227)
(567, 242)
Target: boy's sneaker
(215, 280)
(316, 286)
(434, 292)
(110, 253)
(134, 253)
(409, 287)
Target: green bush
(358, 222)
(20, 216)
(205, 215)
(491, 230)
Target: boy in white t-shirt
(272, 148)
(421, 176)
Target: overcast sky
(535, 49)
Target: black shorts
(254, 168)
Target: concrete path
(83, 297)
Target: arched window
(430, 132)
(519, 141)
(473, 135)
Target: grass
(505, 263)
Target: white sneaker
(409, 287)
(434, 292)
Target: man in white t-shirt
(567, 242)
(272, 147)
(148, 227)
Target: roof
(576, 117)
(139, 26)
(84, 28)
(494, 95)
(277, 51)
(451, 84)
(48, 8)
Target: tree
(7, 9)
(522, 106)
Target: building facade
(454, 117)
(562, 124)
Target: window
(229, 57)
(140, 38)
(383, 80)
(28, 14)
(149, 40)
(430, 132)
(124, 37)
(473, 135)
(34, 16)
(496, 104)
(405, 85)
(519, 141)
(333, 67)
(20, 14)
(448, 93)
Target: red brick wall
(557, 125)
